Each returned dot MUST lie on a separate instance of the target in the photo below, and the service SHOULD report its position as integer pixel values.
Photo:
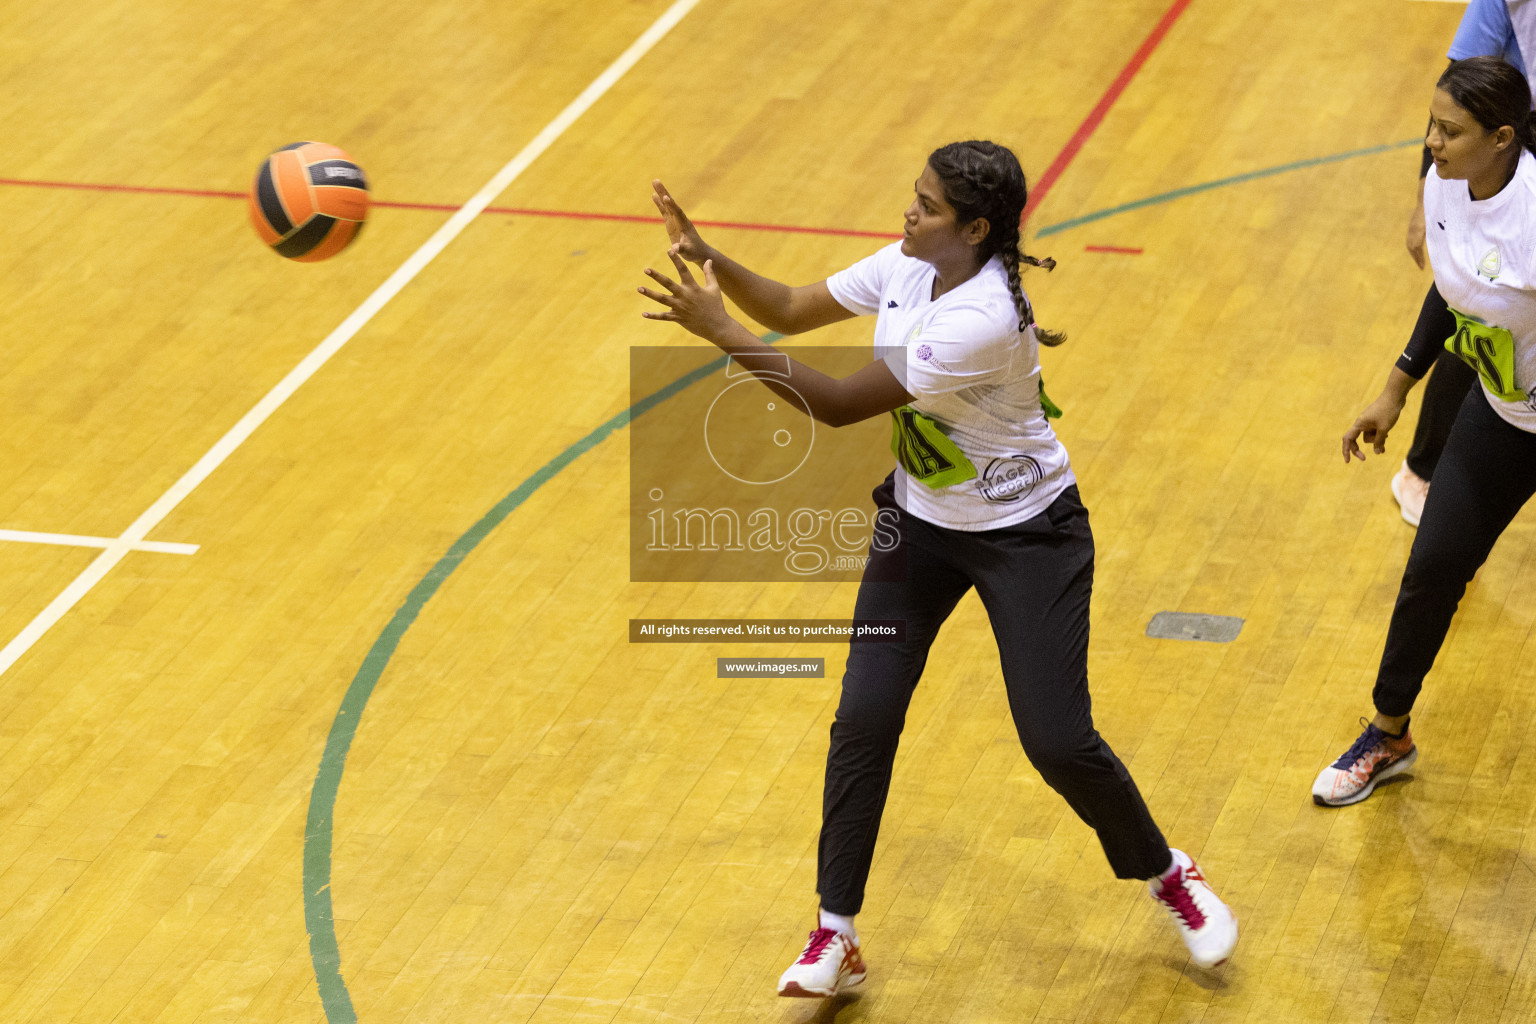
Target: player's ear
(977, 231)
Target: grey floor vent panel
(1216, 629)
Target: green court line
(1236, 179)
(324, 951)
(319, 921)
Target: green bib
(1488, 350)
(925, 452)
(1051, 409)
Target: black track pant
(1035, 579)
(1486, 473)
(1448, 384)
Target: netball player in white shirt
(985, 498)
(1504, 28)
(1480, 208)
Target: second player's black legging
(1035, 579)
(1448, 384)
(1486, 474)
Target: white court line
(76, 540)
(133, 537)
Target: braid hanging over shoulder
(1012, 257)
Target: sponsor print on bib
(925, 452)
(1490, 351)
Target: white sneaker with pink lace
(829, 964)
(1207, 925)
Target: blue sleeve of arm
(1485, 31)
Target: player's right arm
(779, 307)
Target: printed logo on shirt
(1489, 266)
(892, 303)
(925, 353)
(1008, 479)
(1440, 224)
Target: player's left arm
(699, 308)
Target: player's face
(1461, 147)
(931, 233)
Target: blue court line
(319, 922)
(1236, 179)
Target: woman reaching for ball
(1480, 204)
(962, 375)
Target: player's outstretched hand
(696, 305)
(684, 236)
(1372, 427)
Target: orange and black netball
(309, 201)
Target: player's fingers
(709, 274)
(661, 279)
(669, 315)
(665, 300)
(677, 211)
(685, 276)
(1350, 447)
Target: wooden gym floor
(537, 820)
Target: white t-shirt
(1484, 255)
(968, 368)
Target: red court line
(516, 211)
(627, 218)
(1037, 194)
(83, 186)
(1112, 248)
(1096, 115)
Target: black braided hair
(984, 180)
(1494, 93)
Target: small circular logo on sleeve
(925, 352)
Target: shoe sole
(1395, 768)
(794, 991)
(1402, 507)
